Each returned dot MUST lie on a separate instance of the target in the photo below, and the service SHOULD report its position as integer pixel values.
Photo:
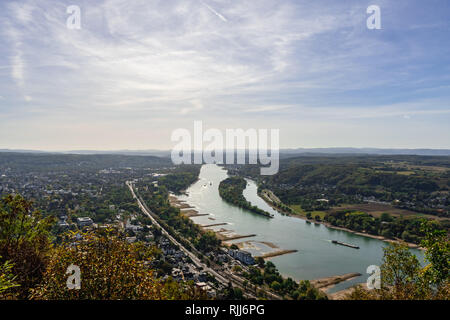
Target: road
(224, 280)
(233, 279)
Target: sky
(137, 70)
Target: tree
(237, 269)
(403, 278)
(275, 285)
(386, 217)
(6, 278)
(260, 262)
(437, 254)
(229, 292)
(399, 271)
(207, 241)
(24, 241)
(111, 269)
(387, 233)
(238, 293)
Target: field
(298, 210)
(376, 209)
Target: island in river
(231, 190)
(316, 256)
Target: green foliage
(207, 241)
(387, 226)
(272, 278)
(231, 190)
(24, 241)
(184, 176)
(437, 271)
(68, 162)
(111, 269)
(402, 277)
(6, 277)
(400, 267)
(32, 268)
(260, 262)
(156, 198)
(348, 179)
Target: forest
(231, 190)
(342, 189)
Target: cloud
(263, 109)
(197, 105)
(168, 61)
(215, 12)
(17, 70)
(23, 12)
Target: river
(316, 257)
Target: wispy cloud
(215, 12)
(166, 63)
(197, 105)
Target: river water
(316, 257)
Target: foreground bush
(403, 278)
(110, 268)
(24, 243)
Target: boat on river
(345, 244)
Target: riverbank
(275, 254)
(342, 294)
(190, 212)
(324, 284)
(268, 200)
(231, 190)
(317, 257)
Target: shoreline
(322, 284)
(190, 212)
(277, 253)
(341, 294)
(328, 225)
(326, 283)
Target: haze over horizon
(283, 152)
(137, 70)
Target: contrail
(215, 12)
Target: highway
(235, 280)
(194, 258)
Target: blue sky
(137, 70)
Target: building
(84, 221)
(131, 239)
(149, 236)
(133, 227)
(210, 292)
(63, 224)
(243, 256)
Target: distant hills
(158, 153)
(375, 151)
(286, 152)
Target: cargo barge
(345, 244)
